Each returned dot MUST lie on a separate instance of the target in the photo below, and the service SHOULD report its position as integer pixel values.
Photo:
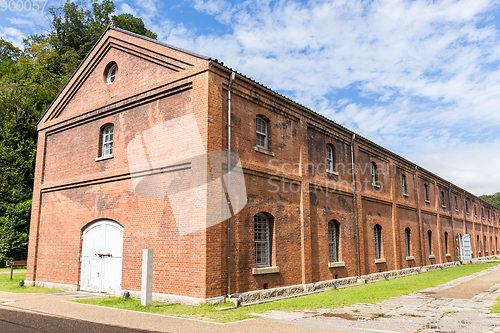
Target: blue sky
(421, 78)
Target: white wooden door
(102, 257)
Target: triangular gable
(142, 63)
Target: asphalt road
(12, 321)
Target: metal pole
(354, 198)
(418, 217)
(231, 80)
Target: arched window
(333, 240)
(446, 242)
(377, 231)
(262, 240)
(456, 204)
(261, 131)
(475, 211)
(442, 200)
(408, 241)
(107, 140)
(482, 213)
(330, 157)
(489, 215)
(484, 244)
(429, 241)
(111, 73)
(374, 173)
(426, 193)
(466, 207)
(403, 184)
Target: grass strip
(6, 284)
(368, 293)
(496, 307)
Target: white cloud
(15, 36)
(418, 66)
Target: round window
(111, 74)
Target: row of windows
(262, 238)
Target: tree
(18, 115)
(493, 199)
(134, 24)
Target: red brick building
(302, 221)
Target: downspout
(231, 80)
(353, 170)
(418, 217)
(452, 222)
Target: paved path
(444, 305)
(461, 305)
(15, 272)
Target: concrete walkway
(463, 301)
(56, 304)
(461, 305)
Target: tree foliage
(29, 80)
(493, 199)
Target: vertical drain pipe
(231, 80)
(452, 211)
(354, 198)
(420, 241)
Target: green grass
(496, 307)
(7, 269)
(6, 284)
(368, 293)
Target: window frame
(373, 170)
(408, 241)
(107, 139)
(262, 220)
(377, 232)
(404, 185)
(426, 193)
(429, 241)
(334, 242)
(330, 157)
(111, 73)
(264, 135)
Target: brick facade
(288, 182)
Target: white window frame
(403, 184)
(373, 167)
(330, 150)
(333, 240)
(111, 74)
(107, 141)
(261, 133)
(261, 241)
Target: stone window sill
(410, 258)
(443, 206)
(332, 172)
(448, 255)
(264, 151)
(427, 201)
(432, 256)
(336, 264)
(265, 270)
(405, 195)
(380, 261)
(375, 185)
(102, 158)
